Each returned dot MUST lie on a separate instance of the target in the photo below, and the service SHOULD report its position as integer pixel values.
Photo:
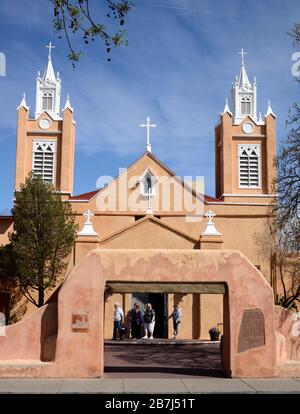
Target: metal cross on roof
(242, 53)
(50, 47)
(148, 126)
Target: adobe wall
(25, 339)
(79, 353)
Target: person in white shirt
(149, 321)
(118, 320)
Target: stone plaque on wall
(252, 330)
(80, 321)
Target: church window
(148, 184)
(249, 166)
(47, 102)
(43, 160)
(246, 105)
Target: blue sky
(178, 69)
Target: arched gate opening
(165, 356)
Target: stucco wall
(83, 291)
(211, 313)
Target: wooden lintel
(157, 287)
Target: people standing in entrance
(176, 315)
(149, 321)
(136, 321)
(118, 320)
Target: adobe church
(145, 207)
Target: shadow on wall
(49, 328)
(18, 306)
(178, 298)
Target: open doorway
(159, 303)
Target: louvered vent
(43, 160)
(249, 166)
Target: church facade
(148, 206)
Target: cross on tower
(148, 126)
(50, 47)
(210, 215)
(242, 53)
(88, 214)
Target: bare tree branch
(74, 16)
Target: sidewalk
(148, 386)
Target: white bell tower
(244, 95)
(48, 89)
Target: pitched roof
(85, 197)
(91, 194)
(210, 199)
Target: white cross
(50, 47)
(88, 214)
(148, 126)
(242, 53)
(210, 215)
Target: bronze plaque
(252, 330)
(80, 322)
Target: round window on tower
(248, 128)
(44, 123)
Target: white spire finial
(242, 53)
(270, 110)
(244, 95)
(68, 104)
(148, 126)
(260, 121)
(226, 108)
(210, 226)
(243, 78)
(50, 47)
(48, 86)
(88, 229)
(23, 103)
